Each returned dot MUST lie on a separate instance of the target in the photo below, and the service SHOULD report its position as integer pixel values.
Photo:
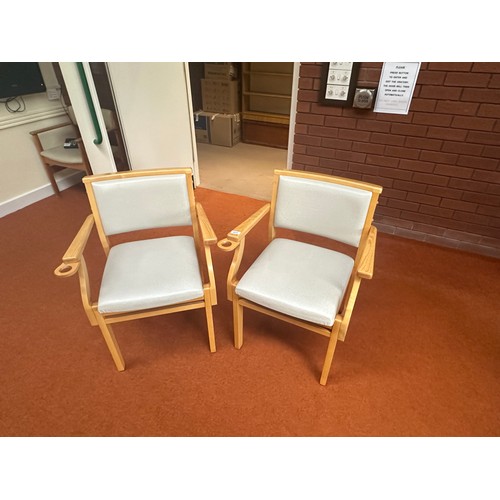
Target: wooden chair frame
(49, 165)
(84, 166)
(73, 262)
(363, 266)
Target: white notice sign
(397, 83)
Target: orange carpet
(421, 357)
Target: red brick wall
(439, 165)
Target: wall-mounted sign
(397, 83)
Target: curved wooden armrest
(73, 255)
(46, 129)
(66, 270)
(234, 237)
(207, 232)
(365, 269)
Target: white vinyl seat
(298, 279)
(307, 285)
(150, 273)
(146, 275)
(62, 155)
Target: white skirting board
(64, 179)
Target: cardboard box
(202, 127)
(225, 130)
(220, 96)
(221, 71)
(218, 129)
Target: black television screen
(20, 78)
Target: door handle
(90, 103)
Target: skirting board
(64, 179)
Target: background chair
(303, 283)
(146, 277)
(49, 142)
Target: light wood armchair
(148, 277)
(56, 156)
(300, 283)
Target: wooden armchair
(146, 277)
(301, 283)
(54, 155)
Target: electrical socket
(54, 93)
(339, 92)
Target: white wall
(155, 104)
(22, 176)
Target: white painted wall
(154, 103)
(20, 167)
(21, 171)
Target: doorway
(258, 97)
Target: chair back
(322, 207)
(130, 201)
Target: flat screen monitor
(20, 78)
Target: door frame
(293, 114)
(196, 168)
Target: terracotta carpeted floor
(421, 356)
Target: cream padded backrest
(142, 203)
(322, 208)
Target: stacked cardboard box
(221, 71)
(219, 121)
(220, 96)
(220, 89)
(220, 129)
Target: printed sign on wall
(395, 91)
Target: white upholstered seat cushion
(62, 154)
(298, 279)
(150, 273)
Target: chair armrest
(207, 232)
(235, 236)
(46, 129)
(365, 269)
(73, 255)
(209, 238)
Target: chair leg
(329, 355)
(111, 342)
(238, 323)
(210, 321)
(50, 175)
